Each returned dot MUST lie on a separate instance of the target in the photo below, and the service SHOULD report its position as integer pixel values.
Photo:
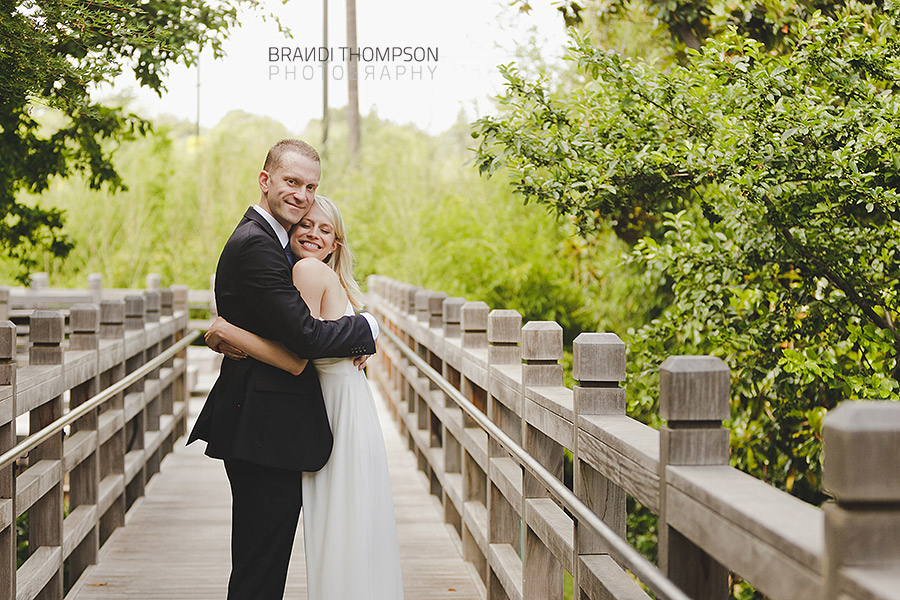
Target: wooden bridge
(95, 397)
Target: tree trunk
(353, 90)
(325, 77)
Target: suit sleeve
(264, 280)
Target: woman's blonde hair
(341, 260)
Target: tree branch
(832, 275)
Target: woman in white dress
(350, 534)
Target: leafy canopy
(52, 54)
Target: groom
(266, 424)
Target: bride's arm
(267, 351)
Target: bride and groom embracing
(285, 288)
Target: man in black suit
(266, 424)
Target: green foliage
(761, 192)
(414, 208)
(689, 23)
(52, 53)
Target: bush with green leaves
(760, 190)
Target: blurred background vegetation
(635, 255)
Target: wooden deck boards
(175, 545)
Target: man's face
(289, 190)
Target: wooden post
(84, 478)
(504, 332)
(45, 334)
(694, 399)
(151, 306)
(134, 312)
(599, 367)
(542, 349)
(154, 281)
(7, 475)
(95, 286)
(135, 320)
(504, 521)
(4, 303)
(452, 317)
(436, 309)
(213, 309)
(409, 302)
(181, 392)
(862, 472)
(166, 302)
(45, 517)
(39, 281)
(84, 323)
(112, 319)
(421, 299)
(180, 297)
(474, 324)
(112, 451)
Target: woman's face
(313, 236)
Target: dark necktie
(289, 254)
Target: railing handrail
(643, 569)
(34, 440)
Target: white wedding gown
(349, 530)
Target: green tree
(52, 53)
(774, 177)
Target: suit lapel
(254, 216)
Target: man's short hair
(275, 156)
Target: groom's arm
(264, 280)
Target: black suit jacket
(256, 412)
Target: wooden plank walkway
(175, 544)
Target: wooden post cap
(474, 316)
(4, 302)
(7, 340)
(504, 327)
(421, 301)
(503, 334)
(436, 309)
(134, 312)
(694, 388)
(112, 311)
(180, 297)
(151, 305)
(112, 319)
(38, 280)
(154, 281)
(452, 310)
(598, 357)
(84, 318)
(862, 451)
(134, 306)
(409, 300)
(542, 340)
(46, 327)
(166, 302)
(95, 281)
(84, 322)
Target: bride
(350, 534)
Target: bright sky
(470, 38)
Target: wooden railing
(102, 383)
(481, 399)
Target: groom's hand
(360, 361)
